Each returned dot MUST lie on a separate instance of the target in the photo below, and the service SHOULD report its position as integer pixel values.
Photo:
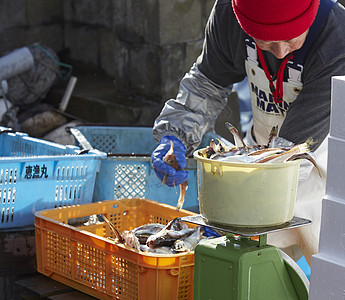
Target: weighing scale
(241, 265)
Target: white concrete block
(335, 184)
(337, 127)
(332, 233)
(327, 279)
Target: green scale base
(238, 267)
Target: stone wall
(23, 22)
(146, 46)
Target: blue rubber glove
(209, 232)
(175, 177)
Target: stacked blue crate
(36, 174)
(127, 172)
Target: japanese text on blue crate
(36, 171)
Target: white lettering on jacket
(265, 102)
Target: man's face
(281, 48)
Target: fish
(170, 159)
(93, 220)
(267, 153)
(176, 224)
(284, 155)
(174, 230)
(172, 238)
(220, 147)
(306, 156)
(160, 250)
(213, 145)
(211, 149)
(138, 236)
(180, 200)
(271, 138)
(239, 142)
(189, 243)
(167, 237)
(234, 151)
(116, 233)
(144, 231)
(129, 239)
(158, 238)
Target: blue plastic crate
(303, 264)
(127, 171)
(37, 174)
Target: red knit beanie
(275, 20)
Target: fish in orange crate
(190, 242)
(127, 238)
(170, 160)
(177, 235)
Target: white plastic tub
(246, 194)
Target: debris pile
(27, 75)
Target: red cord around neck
(277, 91)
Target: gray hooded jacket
(204, 89)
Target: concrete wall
(23, 22)
(146, 46)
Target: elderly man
(289, 50)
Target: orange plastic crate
(85, 259)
